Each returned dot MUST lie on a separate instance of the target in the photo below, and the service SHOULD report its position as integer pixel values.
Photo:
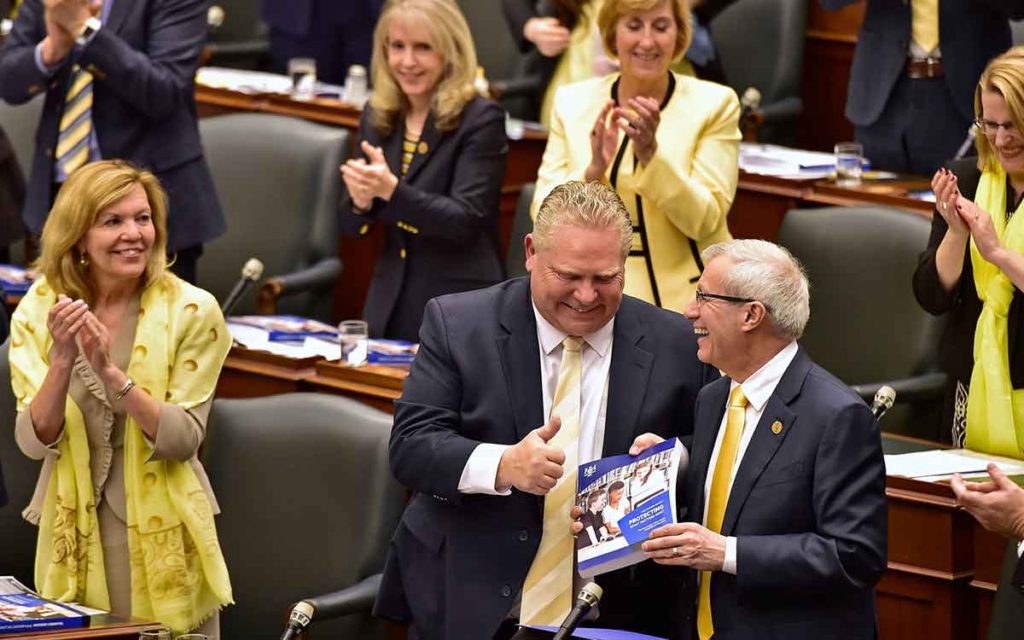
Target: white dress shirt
(758, 388)
(481, 469)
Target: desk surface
(104, 626)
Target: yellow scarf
(995, 412)
(178, 574)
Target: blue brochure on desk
(282, 328)
(24, 610)
(623, 499)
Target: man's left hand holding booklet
(22, 609)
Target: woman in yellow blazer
(668, 144)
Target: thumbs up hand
(532, 465)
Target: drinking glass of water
(849, 163)
(355, 343)
(302, 71)
(156, 634)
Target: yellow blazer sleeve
(696, 196)
(555, 166)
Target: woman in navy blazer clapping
(429, 162)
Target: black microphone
(299, 619)
(589, 596)
(884, 398)
(251, 272)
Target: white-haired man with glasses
(785, 492)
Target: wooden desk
(106, 626)
(250, 374)
(762, 201)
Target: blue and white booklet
(21, 609)
(623, 499)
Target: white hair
(768, 273)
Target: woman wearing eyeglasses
(973, 270)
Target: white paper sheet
(940, 464)
(256, 338)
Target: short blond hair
(612, 10)
(450, 37)
(590, 205)
(88, 192)
(1004, 75)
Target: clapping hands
(368, 178)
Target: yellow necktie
(75, 124)
(547, 592)
(718, 498)
(924, 24)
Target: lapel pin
(423, 147)
(776, 427)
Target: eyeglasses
(703, 296)
(991, 127)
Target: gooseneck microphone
(750, 102)
(884, 398)
(589, 596)
(302, 614)
(251, 272)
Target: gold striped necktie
(547, 592)
(718, 498)
(75, 124)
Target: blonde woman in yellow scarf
(973, 270)
(114, 361)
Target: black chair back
(277, 178)
(522, 224)
(308, 505)
(866, 326)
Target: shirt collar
(761, 384)
(551, 338)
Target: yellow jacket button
(402, 254)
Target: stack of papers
(773, 160)
(941, 464)
(243, 81)
(15, 280)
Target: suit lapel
(429, 140)
(118, 12)
(519, 353)
(707, 422)
(392, 148)
(627, 383)
(765, 442)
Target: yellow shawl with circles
(178, 574)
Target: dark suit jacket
(144, 60)
(442, 221)
(808, 510)
(458, 561)
(971, 32)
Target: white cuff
(729, 565)
(1020, 548)
(481, 471)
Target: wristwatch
(88, 30)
